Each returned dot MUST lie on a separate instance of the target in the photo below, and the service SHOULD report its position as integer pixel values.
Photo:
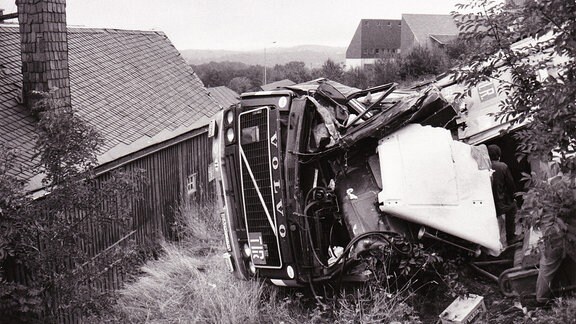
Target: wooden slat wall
(166, 172)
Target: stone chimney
(44, 47)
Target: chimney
(44, 47)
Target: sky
(243, 24)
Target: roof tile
(126, 84)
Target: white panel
(429, 179)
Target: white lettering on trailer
(486, 91)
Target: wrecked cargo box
(479, 123)
(313, 176)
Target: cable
(308, 230)
(382, 235)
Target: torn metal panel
(479, 108)
(430, 179)
(312, 86)
(358, 192)
(413, 108)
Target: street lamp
(265, 62)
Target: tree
(422, 61)
(240, 84)
(295, 71)
(387, 69)
(357, 77)
(215, 74)
(210, 76)
(332, 70)
(11, 199)
(541, 90)
(47, 237)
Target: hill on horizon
(312, 55)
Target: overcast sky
(243, 24)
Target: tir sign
(486, 91)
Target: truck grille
(257, 190)
(231, 167)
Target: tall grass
(189, 283)
(183, 288)
(563, 311)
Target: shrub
(182, 287)
(422, 61)
(189, 282)
(46, 239)
(564, 311)
(387, 70)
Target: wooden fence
(173, 170)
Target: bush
(422, 61)
(564, 311)
(387, 70)
(44, 241)
(190, 283)
(183, 288)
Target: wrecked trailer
(313, 176)
(479, 123)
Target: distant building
(374, 38)
(377, 38)
(277, 84)
(224, 96)
(427, 31)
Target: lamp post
(265, 62)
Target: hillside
(312, 55)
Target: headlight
(246, 250)
(290, 272)
(230, 135)
(252, 267)
(229, 117)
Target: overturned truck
(313, 176)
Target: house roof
(17, 126)
(225, 96)
(443, 39)
(277, 84)
(134, 87)
(425, 25)
(374, 34)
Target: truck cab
(311, 177)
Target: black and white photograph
(276, 161)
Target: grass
(186, 288)
(189, 283)
(562, 311)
